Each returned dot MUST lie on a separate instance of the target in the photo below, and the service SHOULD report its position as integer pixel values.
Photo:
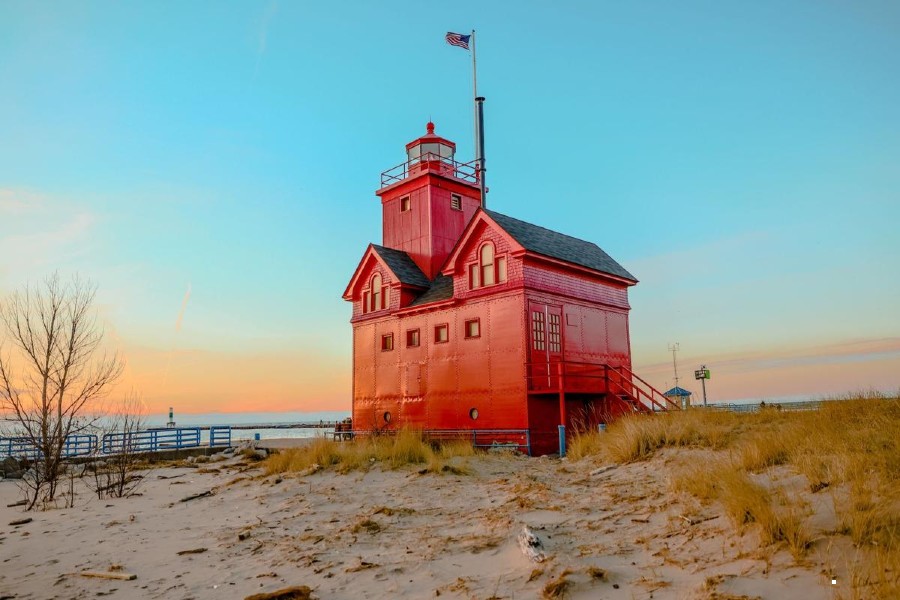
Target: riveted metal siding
(449, 378)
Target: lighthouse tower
(428, 201)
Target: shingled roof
(560, 246)
(441, 289)
(403, 266)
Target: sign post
(702, 374)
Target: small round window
(473, 414)
(387, 417)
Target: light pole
(702, 374)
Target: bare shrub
(55, 375)
(115, 476)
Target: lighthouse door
(545, 326)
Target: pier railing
(151, 440)
(75, 445)
(220, 435)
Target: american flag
(458, 39)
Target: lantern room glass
(430, 151)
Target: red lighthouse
(468, 320)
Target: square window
(441, 333)
(387, 342)
(404, 204)
(455, 201)
(412, 338)
(487, 274)
(473, 328)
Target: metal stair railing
(636, 387)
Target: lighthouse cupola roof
(430, 146)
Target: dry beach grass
(849, 450)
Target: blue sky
(741, 159)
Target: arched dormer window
(375, 298)
(489, 269)
(377, 292)
(486, 260)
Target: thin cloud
(18, 202)
(38, 231)
(263, 39)
(184, 303)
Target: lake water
(255, 423)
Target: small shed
(679, 395)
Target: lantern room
(430, 147)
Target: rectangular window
(365, 302)
(441, 333)
(387, 342)
(383, 295)
(412, 338)
(473, 328)
(537, 330)
(487, 274)
(455, 201)
(501, 269)
(404, 204)
(553, 337)
(474, 279)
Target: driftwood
(603, 469)
(19, 503)
(195, 496)
(531, 545)
(107, 575)
(297, 592)
(193, 551)
(20, 521)
(692, 521)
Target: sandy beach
(621, 533)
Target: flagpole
(474, 71)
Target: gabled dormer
(427, 201)
(385, 280)
(485, 260)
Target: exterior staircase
(567, 377)
(635, 391)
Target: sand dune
(399, 534)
